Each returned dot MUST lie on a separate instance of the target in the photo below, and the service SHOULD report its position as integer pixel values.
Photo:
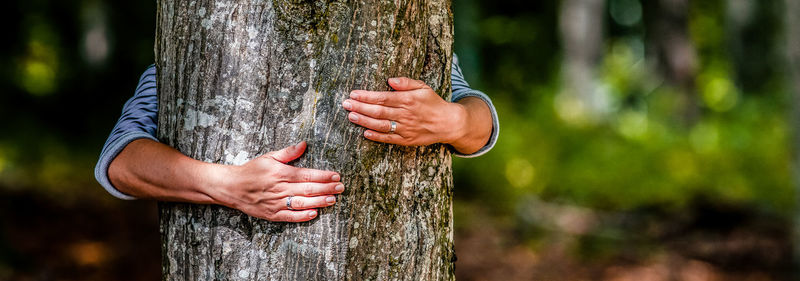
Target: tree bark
(239, 78)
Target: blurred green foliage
(641, 154)
(66, 69)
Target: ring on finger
(392, 126)
(289, 203)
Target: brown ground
(708, 245)
(41, 240)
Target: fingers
(313, 188)
(289, 153)
(293, 216)
(303, 203)
(393, 99)
(294, 174)
(406, 84)
(369, 122)
(371, 110)
(385, 137)
(303, 209)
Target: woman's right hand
(261, 187)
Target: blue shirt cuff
(110, 151)
(495, 122)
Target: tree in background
(240, 78)
(581, 26)
(672, 50)
(792, 28)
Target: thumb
(289, 153)
(406, 84)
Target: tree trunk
(239, 78)
(667, 23)
(581, 29)
(792, 37)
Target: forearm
(149, 169)
(475, 125)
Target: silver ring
(393, 126)
(289, 203)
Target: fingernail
(354, 95)
(367, 133)
(394, 80)
(340, 188)
(312, 214)
(353, 117)
(347, 105)
(330, 199)
(335, 178)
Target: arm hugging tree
(240, 78)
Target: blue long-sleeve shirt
(139, 121)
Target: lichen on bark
(240, 78)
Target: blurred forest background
(640, 140)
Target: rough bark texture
(240, 78)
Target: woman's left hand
(421, 117)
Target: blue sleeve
(138, 121)
(462, 90)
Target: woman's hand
(149, 169)
(421, 116)
(261, 186)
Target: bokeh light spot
(38, 78)
(570, 109)
(38, 68)
(520, 172)
(704, 137)
(626, 12)
(89, 253)
(632, 124)
(720, 94)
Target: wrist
(474, 127)
(456, 128)
(211, 182)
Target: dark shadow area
(45, 240)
